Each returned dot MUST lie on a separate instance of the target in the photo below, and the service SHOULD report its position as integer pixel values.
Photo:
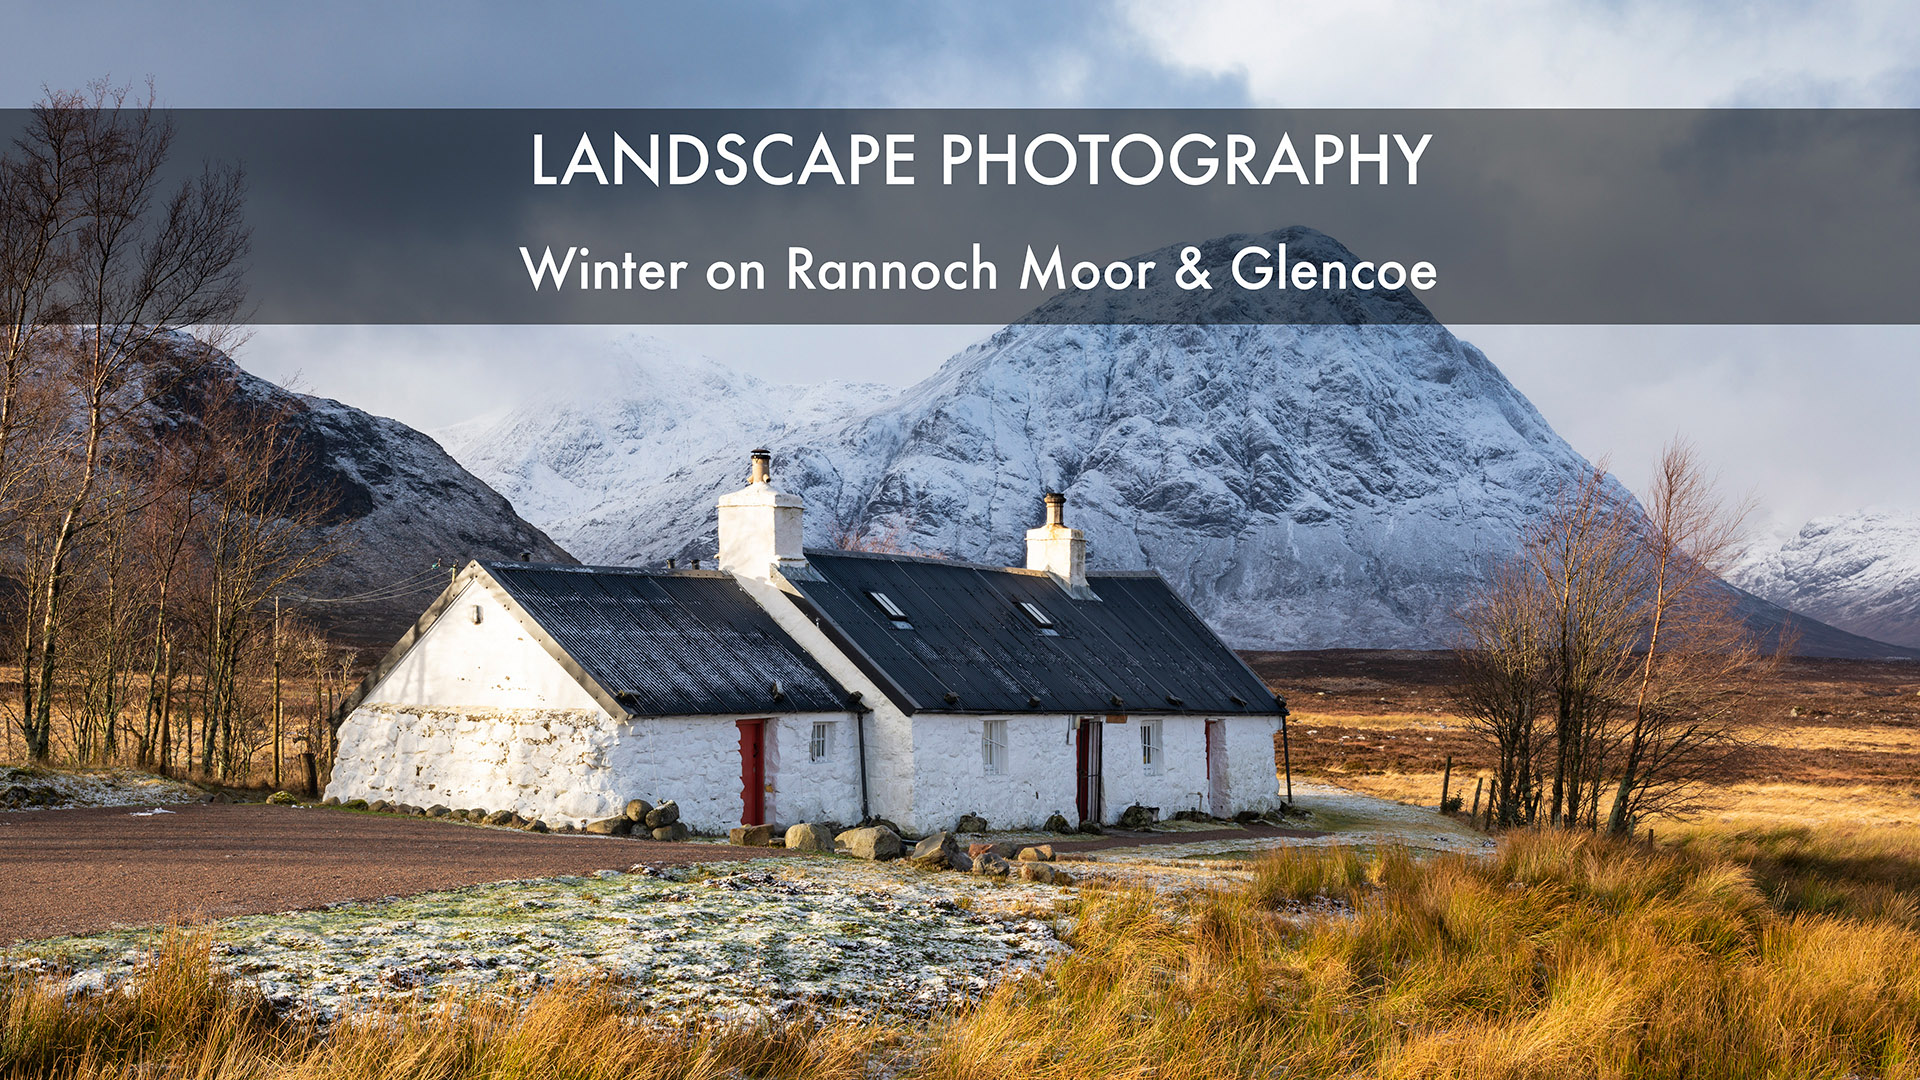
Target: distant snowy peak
(1858, 571)
(640, 413)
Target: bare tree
(1583, 556)
(1695, 644)
(1503, 670)
(136, 264)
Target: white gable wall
(494, 664)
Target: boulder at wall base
(535, 826)
(935, 852)
(378, 806)
(883, 823)
(355, 804)
(1247, 817)
(613, 826)
(809, 836)
(1058, 823)
(750, 836)
(1137, 817)
(673, 833)
(1037, 853)
(663, 815)
(638, 809)
(971, 823)
(498, 817)
(871, 842)
(1092, 828)
(436, 810)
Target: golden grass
(1778, 953)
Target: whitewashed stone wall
(1253, 780)
(951, 777)
(808, 790)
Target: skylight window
(1040, 619)
(892, 610)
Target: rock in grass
(282, 798)
(638, 809)
(1137, 817)
(1037, 872)
(971, 823)
(331, 800)
(991, 866)
(1003, 850)
(934, 852)
(1037, 853)
(1058, 824)
(809, 836)
(355, 804)
(872, 842)
(673, 833)
(750, 836)
(613, 826)
(663, 815)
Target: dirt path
(71, 871)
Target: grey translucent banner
(1704, 216)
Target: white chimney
(1060, 551)
(760, 527)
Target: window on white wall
(1151, 753)
(821, 747)
(993, 747)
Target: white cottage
(793, 685)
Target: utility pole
(276, 692)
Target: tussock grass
(1561, 956)
(1783, 953)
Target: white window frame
(993, 747)
(1153, 752)
(820, 743)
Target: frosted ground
(749, 940)
(756, 939)
(38, 789)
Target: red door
(1087, 766)
(753, 772)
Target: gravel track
(74, 871)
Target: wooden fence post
(1446, 781)
(1474, 815)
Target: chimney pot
(1056, 508)
(762, 470)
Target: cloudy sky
(1815, 420)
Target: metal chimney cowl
(760, 528)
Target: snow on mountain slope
(639, 418)
(1301, 485)
(400, 504)
(1858, 571)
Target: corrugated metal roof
(1137, 649)
(671, 642)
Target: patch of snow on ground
(49, 789)
(751, 940)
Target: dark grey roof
(1137, 649)
(670, 642)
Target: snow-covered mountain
(400, 504)
(1301, 485)
(1858, 571)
